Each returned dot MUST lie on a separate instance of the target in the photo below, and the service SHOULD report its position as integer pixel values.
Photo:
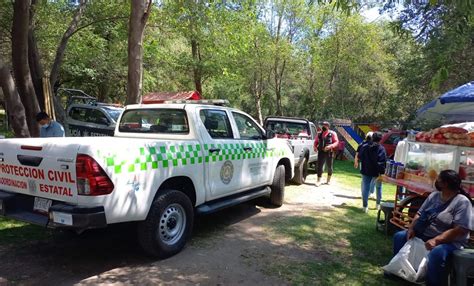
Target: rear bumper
(60, 215)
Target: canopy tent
(454, 106)
(161, 97)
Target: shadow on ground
(113, 255)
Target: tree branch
(62, 45)
(146, 15)
(97, 21)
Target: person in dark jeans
(447, 231)
(372, 159)
(325, 144)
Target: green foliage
(442, 53)
(325, 60)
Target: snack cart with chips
(423, 162)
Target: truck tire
(168, 224)
(278, 187)
(301, 172)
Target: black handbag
(427, 217)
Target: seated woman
(445, 232)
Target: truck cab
(95, 119)
(300, 134)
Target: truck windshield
(113, 112)
(288, 129)
(171, 121)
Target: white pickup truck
(165, 163)
(300, 134)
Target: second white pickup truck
(165, 163)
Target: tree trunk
(34, 58)
(335, 68)
(257, 93)
(140, 10)
(258, 104)
(21, 69)
(277, 73)
(53, 77)
(35, 68)
(14, 107)
(197, 65)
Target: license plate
(62, 218)
(42, 205)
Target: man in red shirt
(325, 144)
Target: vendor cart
(423, 162)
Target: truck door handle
(271, 149)
(247, 149)
(26, 160)
(214, 150)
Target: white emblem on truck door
(227, 172)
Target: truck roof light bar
(219, 102)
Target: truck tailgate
(40, 167)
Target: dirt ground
(230, 247)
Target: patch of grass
(346, 247)
(350, 177)
(14, 231)
(350, 250)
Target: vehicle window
(97, 117)
(393, 139)
(77, 113)
(313, 132)
(284, 129)
(113, 112)
(247, 127)
(170, 121)
(217, 123)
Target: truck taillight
(91, 178)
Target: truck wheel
(168, 224)
(278, 187)
(301, 172)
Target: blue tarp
(427, 106)
(456, 105)
(464, 93)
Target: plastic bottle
(394, 170)
(387, 167)
(400, 170)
